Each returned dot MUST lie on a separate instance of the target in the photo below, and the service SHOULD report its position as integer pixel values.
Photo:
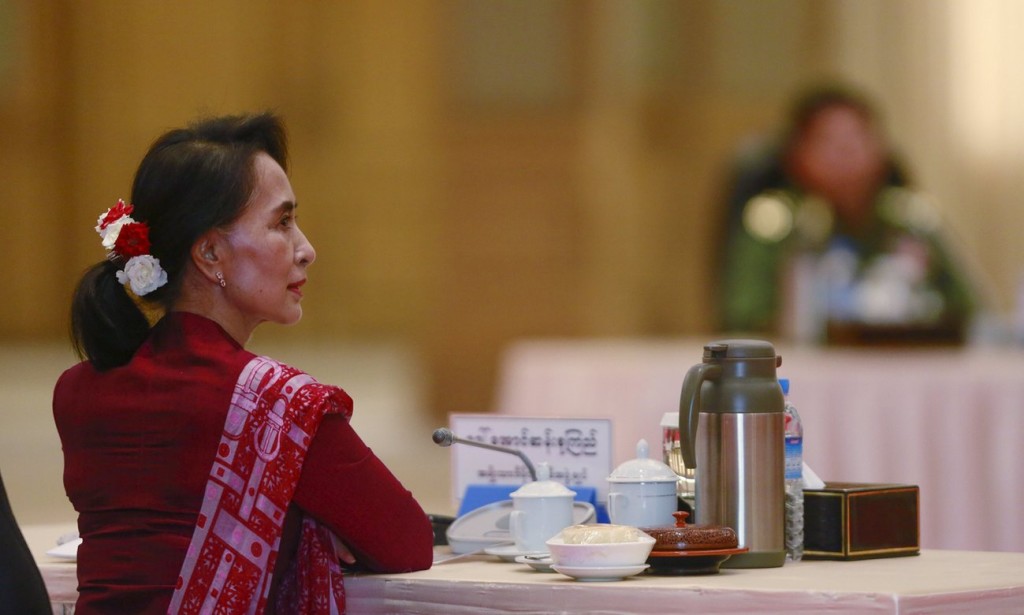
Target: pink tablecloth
(950, 421)
(934, 583)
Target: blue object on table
(482, 495)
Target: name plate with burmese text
(578, 451)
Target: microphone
(444, 437)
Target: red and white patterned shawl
(275, 411)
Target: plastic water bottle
(794, 435)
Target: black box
(849, 521)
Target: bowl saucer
(600, 573)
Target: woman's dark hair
(809, 103)
(191, 180)
(813, 100)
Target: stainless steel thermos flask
(731, 432)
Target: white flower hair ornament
(127, 242)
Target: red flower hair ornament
(127, 241)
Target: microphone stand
(445, 437)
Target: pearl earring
(220, 279)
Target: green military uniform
(777, 225)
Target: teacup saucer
(600, 573)
(509, 553)
(541, 562)
(67, 550)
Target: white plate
(600, 573)
(540, 562)
(488, 525)
(68, 550)
(509, 553)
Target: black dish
(677, 563)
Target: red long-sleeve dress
(139, 441)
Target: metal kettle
(731, 432)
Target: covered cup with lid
(642, 491)
(541, 509)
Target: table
(948, 420)
(934, 582)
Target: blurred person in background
(207, 478)
(826, 241)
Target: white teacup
(540, 509)
(643, 504)
(642, 492)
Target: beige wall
(471, 171)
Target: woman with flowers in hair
(207, 478)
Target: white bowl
(617, 554)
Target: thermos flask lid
(739, 349)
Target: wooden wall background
(475, 171)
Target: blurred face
(264, 254)
(841, 157)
